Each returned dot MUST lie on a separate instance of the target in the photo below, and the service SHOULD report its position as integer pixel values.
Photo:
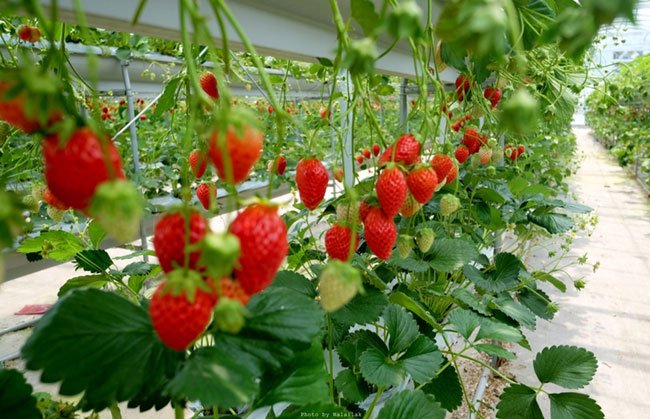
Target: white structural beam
(294, 29)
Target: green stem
(115, 411)
(374, 402)
(179, 412)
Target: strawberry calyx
(187, 282)
(219, 253)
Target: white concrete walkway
(611, 316)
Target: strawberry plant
(420, 261)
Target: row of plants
(407, 279)
(618, 111)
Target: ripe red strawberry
(410, 206)
(338, 175)
(243, 150)
(270, 109)
(366, 153)
(312, 180)
(407, 151)
(456, 127)
(177, 320)
(169, 239)
(462, 153)
(233, 290)
(24, 32)
(324, 114)
(13, 110)
(208, 83)
(337, 242)
(443, 166)
(521, 150)
(75, 170)
(376, 149)
(263, 240)
(452, 174)
(359, 158)
(472, 140)
(462, 86)
(364, 209)
(391, 190)
(380, 233)
(52, 200)
(422, 182)
(493, 95)
(207, 194)
(281, 164)
(198, 163)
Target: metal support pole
(403, 105)
(134, 142)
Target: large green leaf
(301, 381)
(93, 281)
(16, 400)
(409, 264)
(402, 328)
(519, 313)
(411, 404)
(98, 343)
(379, 369)
(495, 350)
(363, 11)
(566, 366)
(364, 308)
(543, 276)
(502, 277)
(93, 260)
(473, 301)
(422, 359)
(284, 315)
(294, 281)
(464, 321)
(447, 255)
(214, 378)
(552, 222)
(446, 389)
(574, 406)
(490, 195)
(351, 386)
(519, 402)
(537, 301)
(355, 344)
(166, 100)
(55, 244)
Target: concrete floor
(611, 316)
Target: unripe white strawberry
(485, 155)
(55, 214)
(118, 207)
(339, 283)
(404, 245)
(449, 204)
(424, 239)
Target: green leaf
(447, 255)
(493, 329)
(137, 268)
(285, 315)
(379, 369)
(364, 308)
(325, 410)
(95, 261)
(537, 189)
(574, 406)
(465, 322)
(16, 400)
(537, 302)
(422, 359)
(92, 281)
(410, 404)
(494, 350)
(446, 389)
(168, 98)
(409, 264)
(101, 344)
(489, 195)
(577, 208)
(517, 185)
(519, 402)
(402, 328)
(355, 344)
(519, 313)
(363, 11)
(552, 222)
(351, 387)
(123, 53)
(473, 301)
(213, 378)
(567, 366)
(294, 281)
(503, 277)
(543, 276)
(399, 298)
(96, 233)
(301, 381)
(55, 244)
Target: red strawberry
(263, 240)
(177, 320)
(472, 140)
(270, 109)
(13, 111)
(207, 194)
(462, 86)
(410, 207)
(337, 242)
(281, 163)
(338, 174)
(198, 163)
(324, 114)
(376, 149)
(52, 200)
(443, 167)
(208, 83)
(233, 290)
(366, 153)
(359, 158)
(521, 150)
(455, 127)
(462, 153)
(422, 182)
(169, 239)
(391, 190)
(364, 209)
(243, 149)
(312, 180)
(75, 170)
(452, 174)
(407, 151)
(24, 32)
(380, 233)
(34, 34)
(493, 95)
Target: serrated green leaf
(409, 264)
(95, 261)
(519, 402)
(422, 359)
(552, 222)
(16, 400)
(464, 321)
(351, 386)
(401, 299)
(91, 281)
(473, 301)
(567, 366)
(446, 389)
(519, 313)
(101, 344)
(96, 233)
(166, 101)
(494, 350)
(137, 268)
(503, 277)
(285, 315)
(447, 255)
(301, 381)
(537, 302)
(493, 329)
(364, 308)
(517, 185)
(213, 378)
(402, 328)
(410, 404)
(577, 208)
(489, 195)
(574, 406)
(379, 369)
(355, 344)
(58, 245)
(294, 281)
(363, 11)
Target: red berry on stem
(422, 182)
(407, 151)
(380, 233)
(312, 180)
(198, 163)
(337, 242)
(242, 149)
(169, 239)
(391, 190)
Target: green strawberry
(31, 203)
(449, 204)
(347, 213)
(339, 283)
(424, 239)
(38, 190)
(55, 214)
(219, 254)
(118, 207)
(229, 316)
(404, 245)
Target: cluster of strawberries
(367, 154)
(29, 33)
(473, 143)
